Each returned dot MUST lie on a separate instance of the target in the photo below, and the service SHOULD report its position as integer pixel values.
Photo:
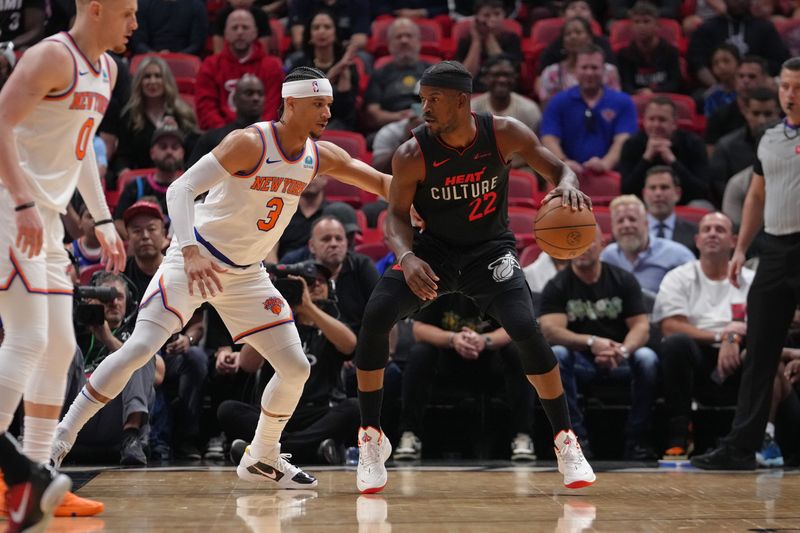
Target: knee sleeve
(291, 373)
(115, 370)
(536, 355)
(25, 325)
(48, 383)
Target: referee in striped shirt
(773, 200)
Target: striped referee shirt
(779, 162)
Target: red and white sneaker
(572, 464)
(30, 505)
(374, 451)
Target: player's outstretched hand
(202, 271)
(570, 197)
(112, 247)
(420, 277)
(30, 231)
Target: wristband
(104, 221)
(22, 207)
(404, 255)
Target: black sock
(558, 413)
(370, 405)
(16, 467)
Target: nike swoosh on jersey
(270, 162)
(440, 163)
(83, 73)
(19, 513)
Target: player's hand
(420, 277)
(735, 268)
(30, 231)
(792, 371)
(113, 249)
(570, 195)
(202, 271)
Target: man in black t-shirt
(594, 317)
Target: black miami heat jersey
(464, 196)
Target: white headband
(307, 88)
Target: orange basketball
(562, 232)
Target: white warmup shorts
(248, 304)
(48, 272)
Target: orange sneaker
(72, 505)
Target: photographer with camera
(324, 420)
(104, 316)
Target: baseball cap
(167, 132)
(142, 207)
(345, 214)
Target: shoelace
(369, 453)
(282, 463)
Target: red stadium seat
(374, 250)
(461, 28)
(184, 68)
(337, 191)
(430, 35)
(789, 30)
(88, 272)
(529, 254)
(130, 175)
(692, 214)
(621, 33)
(351, 142)
(601, 188)
(545, 31)
(523, 189)
(279, 41)
(603, 217)
(520, 222)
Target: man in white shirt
(702, 318)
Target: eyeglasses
(588, 120)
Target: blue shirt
(585, 133)
(669, 226)
(651, 265)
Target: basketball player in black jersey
(455, 173)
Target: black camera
(92, 314)
(292, 289)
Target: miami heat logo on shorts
(503, 268)
(274, 304)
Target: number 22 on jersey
(274, 208)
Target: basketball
(562, 232)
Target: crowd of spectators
(658, 107)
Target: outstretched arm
(335, 162)
(514, 137)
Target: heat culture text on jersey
(465, 186)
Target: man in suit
(662, 190)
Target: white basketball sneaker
(571, 462)
(374, 451)
(58, 451)
(278, 470)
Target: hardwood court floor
(443, 499)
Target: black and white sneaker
(274, 469)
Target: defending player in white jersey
(255, 178)
(49, 109)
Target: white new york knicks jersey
(243, 217)
(55, 139)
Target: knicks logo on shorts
(503, 268)
(274, 304)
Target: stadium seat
(688, 117)
(88, 272)
(603, 217)
(523, 189)
(430, 35)
(279, 41)
(184, 68)
(520, 222)
(351, 142)
(130, 175)
(529, 254)
(601, 188)
(374, 250)
(545, 31)
(367, 234)
(692, 214)
(461, 28)
(621, 33)
(337, 191)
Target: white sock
(771, 429)
(266, 442)
(82, 409)
(38, 438)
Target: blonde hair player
(50, 109)
(255, 178)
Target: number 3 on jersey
(274, 208)
(83, 139)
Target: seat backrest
(351, 142)
(278, 40)
(87, 273)
(130, 175)
(520, 220)
(374, 250)
(529, 254)
(181, 65)
(548, 30)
